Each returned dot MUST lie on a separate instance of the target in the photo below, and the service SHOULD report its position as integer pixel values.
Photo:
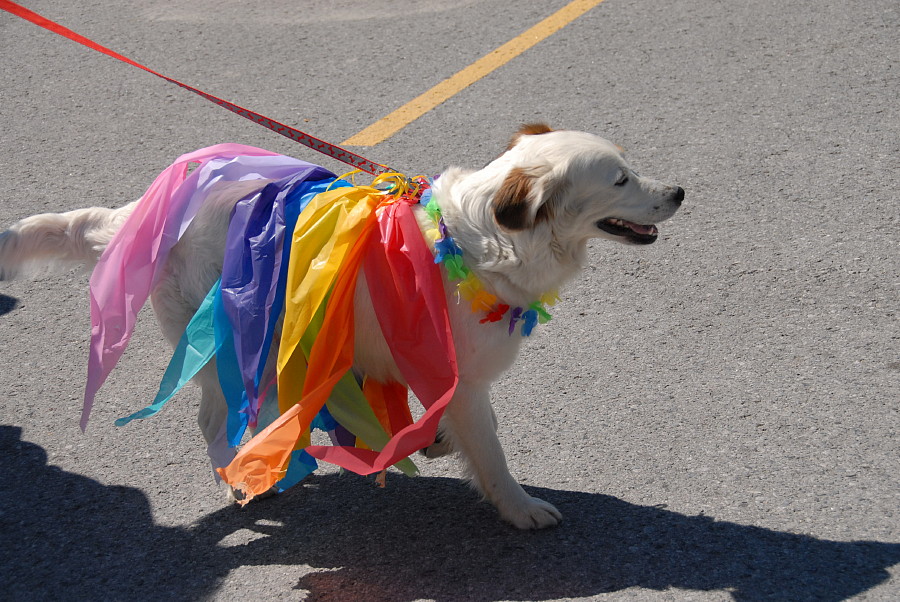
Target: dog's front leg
(471, 425)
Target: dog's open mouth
(638, 234)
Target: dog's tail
(59, 239)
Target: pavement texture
(716, 415)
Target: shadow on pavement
(7, 304)
(69, 537)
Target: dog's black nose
(679, 194)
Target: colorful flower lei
(468, 286)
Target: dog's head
(581, 186)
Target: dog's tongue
(641, 229)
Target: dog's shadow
(69, 537)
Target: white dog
(523, 223)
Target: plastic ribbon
(419, 336)
(322, 240)
(251, 266)
(327, 249)
(196, 347)
(229, 373)
(129, 267)
(292, 213)
(390, 404)
(301, 466)
(326, 253)
(198, 344)
(352, 410)
(401, 272)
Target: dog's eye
(623, 180)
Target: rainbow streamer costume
(295, 248)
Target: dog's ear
(528, 129)
(511, 204)
(524, 200)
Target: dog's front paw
(531, 513)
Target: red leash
(316, 144)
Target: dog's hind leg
(212, 418)
(471, 425)
(442, 446)
(174, 313)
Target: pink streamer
(130, 265)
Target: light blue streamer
(196, 347)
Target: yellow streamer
(326, 230)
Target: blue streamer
(229, 374)
(300, 466)
(251, 266)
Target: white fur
(574, 174)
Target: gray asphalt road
(715, 415)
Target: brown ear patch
(511, 208)
(529, 129)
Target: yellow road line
(388, 126)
